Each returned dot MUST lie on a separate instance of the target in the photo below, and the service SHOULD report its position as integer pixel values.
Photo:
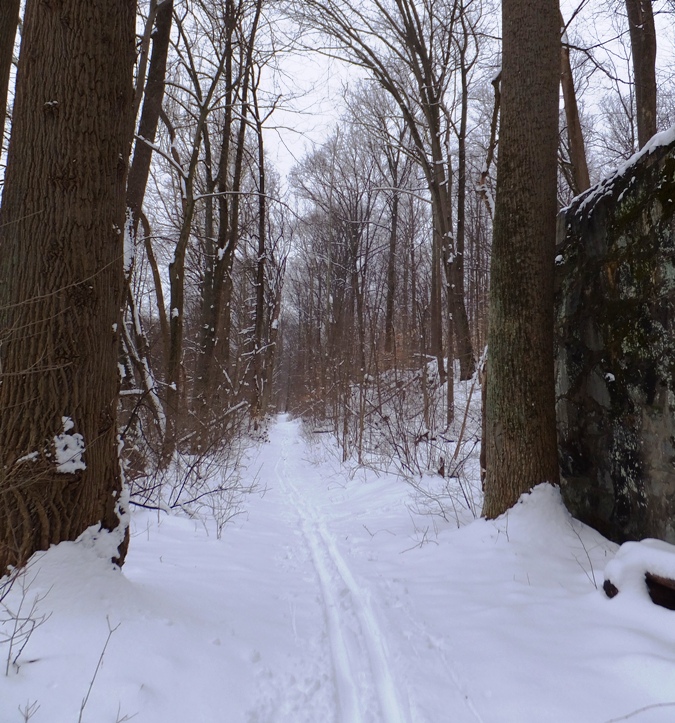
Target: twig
(632, 714)
(590, 576)
(29, 711)
(98, 667)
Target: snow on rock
(627, 570)
(590, 197)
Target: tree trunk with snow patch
(61, 275)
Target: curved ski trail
(365, 685)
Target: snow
(31, 457)
(627, 570)
(68, 449)
(332, 600)
(590, 197)
(129, 243)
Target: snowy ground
(332, 601)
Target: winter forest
(337, 361)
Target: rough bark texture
(61, 273)
(9, 19)
(521, 436)
(643, 46)
(615, 334)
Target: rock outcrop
(615, 358)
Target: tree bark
(259, 353)
(9, 19)
(643, 45)
(61, 229)
(391, 270)
(152, 106)
(574, 133)
(467, 362)
(521, 431)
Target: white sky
(312, 86)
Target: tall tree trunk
(61, 274)
(9, 19)
(391, 276)
(258, 381)
(274, 312)
(152, 106)
(450, 389)
(521, 432)
(435, 305)
(574, 133)
(467, 362)
(152, 94)
(643, 45)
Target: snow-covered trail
(332, 601)
(365, 684)
(365, 644)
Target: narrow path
(366, 688)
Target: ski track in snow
(365, 686)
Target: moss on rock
(615, 335)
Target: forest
(337, 360)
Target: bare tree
(409, 50)
(241, 27)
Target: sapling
(18, 621)
(29, 710)
(85, 700)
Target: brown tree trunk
(576, 138)
(152, 94)
(152, 105)
(435, 306)
(521, 432)
(450, 389)
(61, 227)
(258, 380)
(467, 362)
(391, 276)
(274, 311)
(643, 45)
(9, 19)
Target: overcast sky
(312, 86)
